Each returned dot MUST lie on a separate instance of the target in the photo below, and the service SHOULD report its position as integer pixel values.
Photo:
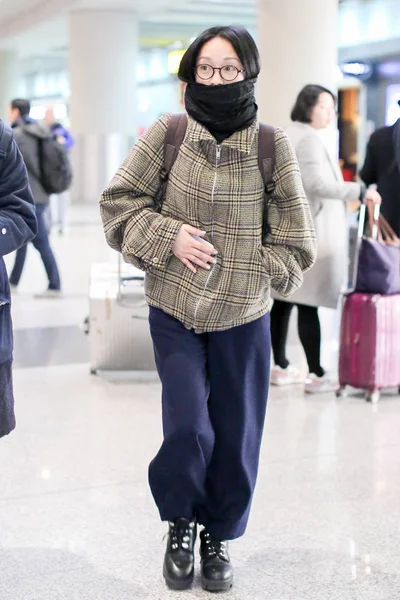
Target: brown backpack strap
(266, 154)
(173, 141)
(266, 164)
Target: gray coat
(327, 194)
(27, 135)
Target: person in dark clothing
(382, 167)
(27, 134)
(18, 226)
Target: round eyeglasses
(228, 73)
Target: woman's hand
(191, 251)
(373, 196)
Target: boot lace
(213, 547)
(180, 534)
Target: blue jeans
(42, 245)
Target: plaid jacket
(224, 197)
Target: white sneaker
(320, 385)
(288, 376)
(49, 294)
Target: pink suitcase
(370, 344)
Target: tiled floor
(77, 520)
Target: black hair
(23, 106)
(306, 100)
(242, 42)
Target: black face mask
(222, 109)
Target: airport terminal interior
(77, 518)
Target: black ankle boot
(178, 568)
(216, 568)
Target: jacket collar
(241, 141)
(22, 122)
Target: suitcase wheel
(373, 397)
(93, 371)
(341, 392)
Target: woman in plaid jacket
(209, 276)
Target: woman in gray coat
(327, 195)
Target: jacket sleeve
(131, 224)
(61, 131)
(290, 247)
(18, 223)
(369, 173)
(310, 154)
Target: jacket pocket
(6, 336)
(263, 263)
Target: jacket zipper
(217, 161)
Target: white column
(102, 64)
(8, 81)
(297, 40)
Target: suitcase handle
(122, 298)
(360, 234)
(372, 212)
(133, 278)
(379, 230)
(379, 227)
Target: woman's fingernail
(208, 267)
(203, 232)
(215, 253)
(214, 262)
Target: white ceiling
(35, 27)
(38, 29)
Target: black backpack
(266, 159)
(55, 168)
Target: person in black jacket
(18, 226)
(382, 167)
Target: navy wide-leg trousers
(214, 399)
